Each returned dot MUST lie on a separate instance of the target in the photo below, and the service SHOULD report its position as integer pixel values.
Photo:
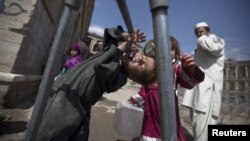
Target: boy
(67, 114)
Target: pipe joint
(157, 4)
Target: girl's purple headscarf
(72, 61)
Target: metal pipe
(164, 69)
(62, 33)
(125, 14)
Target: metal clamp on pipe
(158, 4)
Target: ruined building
(236, 93)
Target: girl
(185, 73)
(74, 57)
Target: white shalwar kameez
(204, 99)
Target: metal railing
(164, 67)
(66, 23)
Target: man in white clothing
(204, 100)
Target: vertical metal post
(164, 69)
(65, 25)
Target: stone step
(15, 128)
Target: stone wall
(25, 36)
(27, 30)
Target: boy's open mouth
(131, 56)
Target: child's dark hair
(98, 46)
(175, 46)
(76, 47)
(146, 78)
(149, 49)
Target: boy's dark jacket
(81, 87)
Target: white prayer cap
(201, 24)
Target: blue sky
(229, 19)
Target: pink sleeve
(187, 80)
(138, 98)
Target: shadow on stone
(24, 103)
(11, 127)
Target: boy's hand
(136, 37)
(132, 41)
(188, 63)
